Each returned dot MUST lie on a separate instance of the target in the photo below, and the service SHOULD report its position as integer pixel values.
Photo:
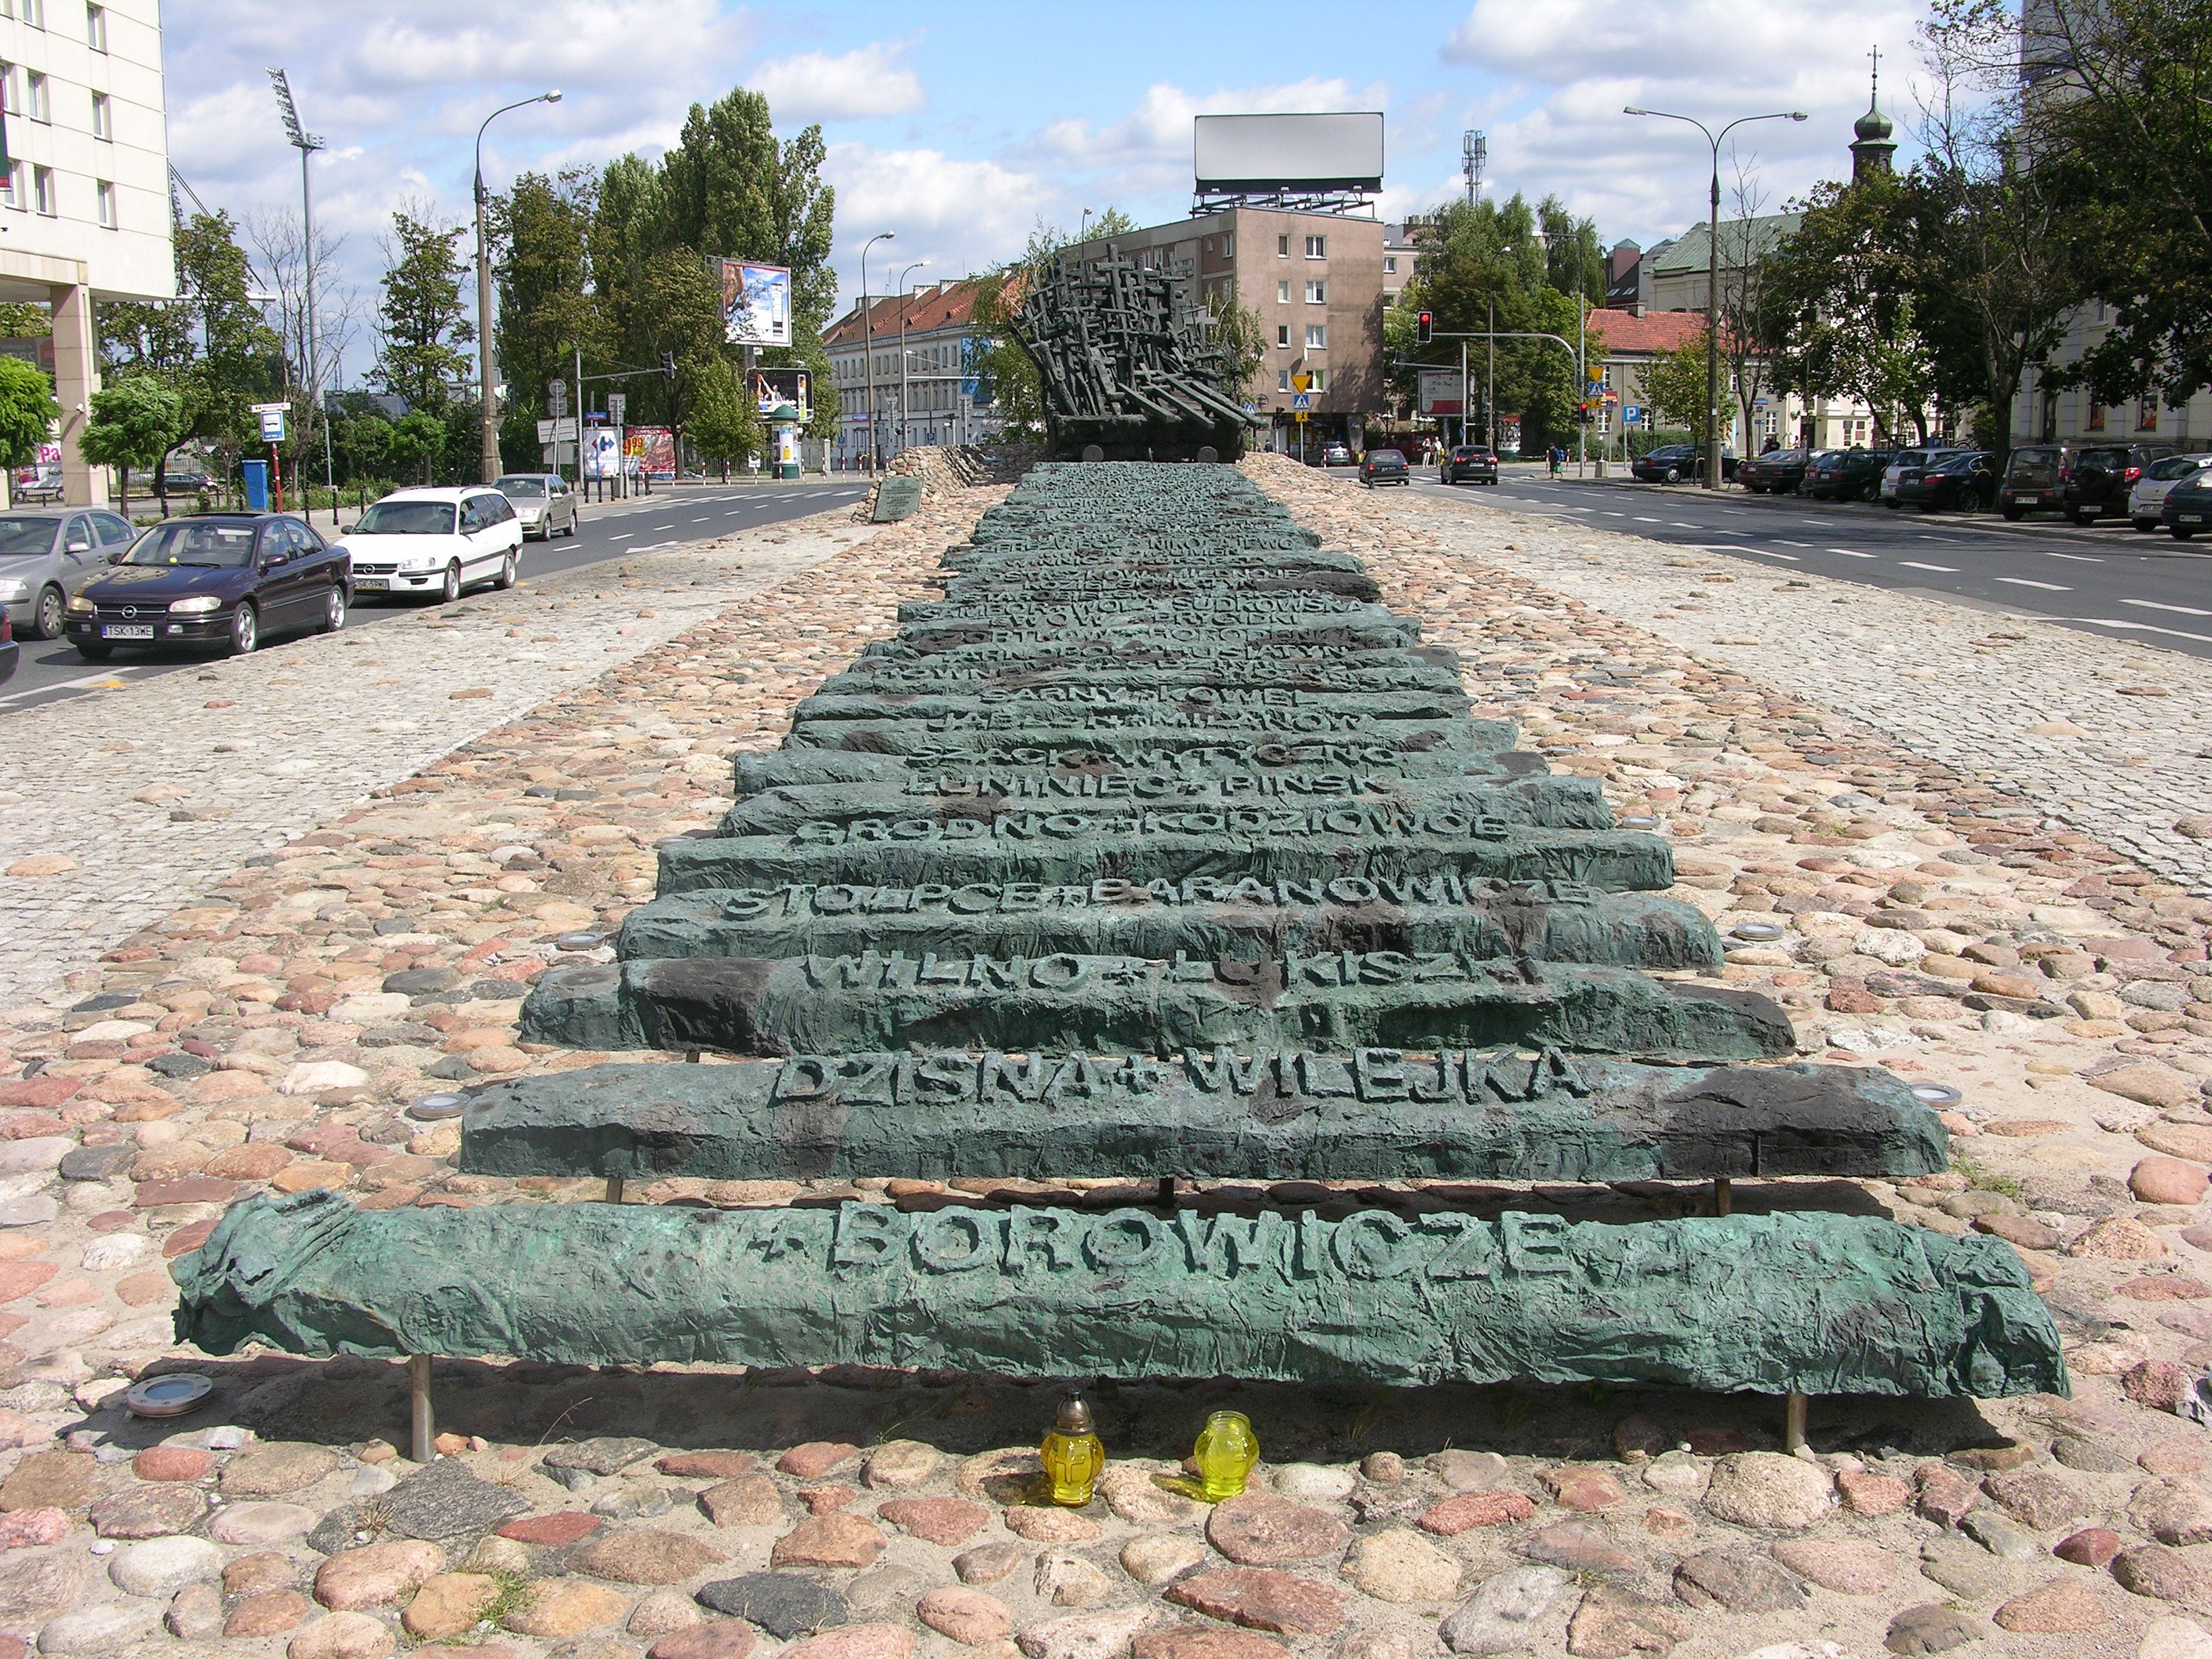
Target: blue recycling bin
(257, 484)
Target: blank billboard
(1246, 152)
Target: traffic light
(1426, 321)
(1582, 413)
(668, 364)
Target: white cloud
(865, 81)
(1157, 134)
(960, 215)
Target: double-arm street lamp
(868, 349)
(489, 411)
(903, 275)
(1713, 472)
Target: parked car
(1780, 471)
(2186, 511)
(1336, 455)
(1846, 475)
(1912, 463)
(543, 500)
(226, 579)
(47, 554)
(10, 653)
(2149, 496)
(2102, 475)
(1676, 463)
(2035, 480)
(1385, 466)
(1963, 483)
(1469, 463)
(436, 542)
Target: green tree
(1674, 387)
(541, 233)
(27, 412)
(362, 442)
(723, 424)
(728, 188)
(418, 442)
(134, 422)
(421, 322)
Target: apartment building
(84, 195)
(924, 380)
(1318, 282)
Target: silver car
(543, 500)
(47, 553)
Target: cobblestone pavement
(137, 799)
(270, 1031)
(2111, 735)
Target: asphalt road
(50, 670)
(2110, 580)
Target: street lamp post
(306, 143)
(900, 285)
(488, 413)
(868, 349)
(1713, 275)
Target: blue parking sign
(1633, 415)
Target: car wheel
(507, 567)
(1673, 475)
(1871, 490)
(46, 620)
(2013, 514)
(2179, 534)
(2146, 526)
(573, 517)
(334, 610)
(244, 630)
(452, 590)
(2085, 519)
(91, 651)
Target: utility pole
(306, 143)
(487, 410)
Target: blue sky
(960, 126)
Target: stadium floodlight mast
(306, 143)
(1713, 470)
(487, 410)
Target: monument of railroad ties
(1159, 849)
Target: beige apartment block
(84, 205)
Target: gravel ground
(254, 1034)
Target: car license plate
(2192, 518)
(2027, 501)
(371, 584)
(127, 631)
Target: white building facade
(84, 203)
(923, 382)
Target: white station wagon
(435, 541)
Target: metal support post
(424, 1426)
(1792, 1424)
(614, 1189)
(1724, 1195)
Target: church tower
(1873, 147)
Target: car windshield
(217, 546)
(1386, 457)
(511, 488)
(2173, 467)
(2034, 466)
(1958, 464)
(21, 537)
(407, 519)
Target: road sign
(269, 408)
(617, 404)
(1302, 400)
(1302, 381)
(560, 431)
(1300, 417)
(272, 424)
(557, 398)
(1632, 414)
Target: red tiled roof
(942, 306)
(1653, 332)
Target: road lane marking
(1914, 564)
(2145, 627)
(1786, 542)
(2153, 604)
(2023, 581)
(2078, 558)
(1849, 554)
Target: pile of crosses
(1160, 856)
(1125, 367)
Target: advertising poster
(755, 304)
(773, 386)
(602, 447)
(652, 450)
(1440, 393)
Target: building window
(11, 89)
(42, 189)
(1283, 334)
(1282, 247)
(1228, 247)
(1320, 379)
(106, 193)
(103, 115)
(11, 187)
(1316, 336)
(1283, 292)
(1316, 247)
(1316, 294)
(39, 105)
(2096, 421)
(1390, 264)
(1282, 379)
(2147, 415)
(33, 12)
(95, 27)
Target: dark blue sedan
(216, 579)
